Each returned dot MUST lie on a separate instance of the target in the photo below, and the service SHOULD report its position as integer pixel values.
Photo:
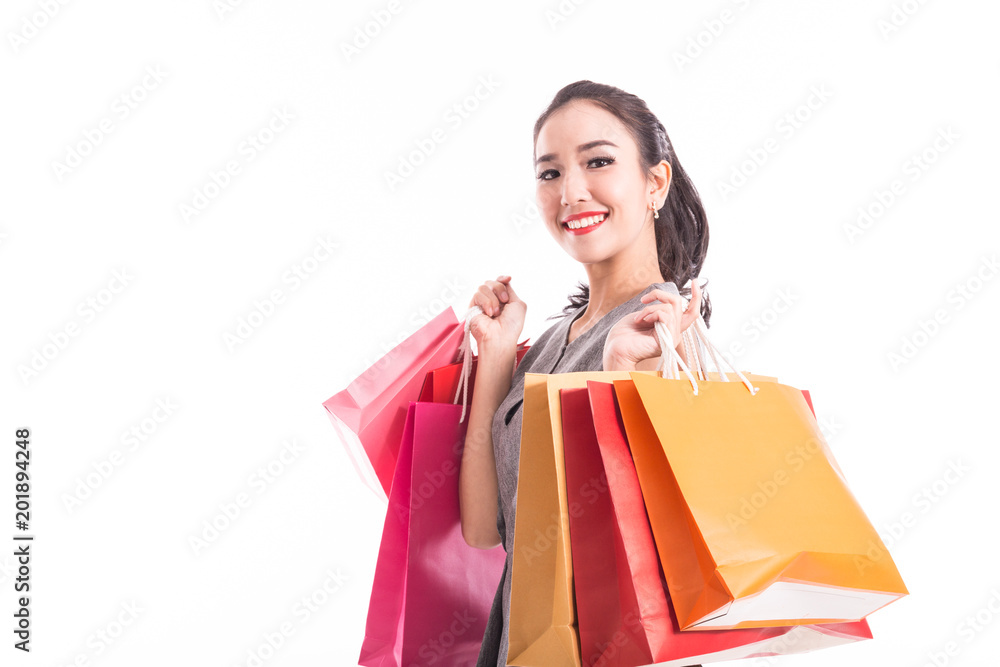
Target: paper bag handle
(696, 342)
(466, 356)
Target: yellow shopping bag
(542, 626)
(760, 528)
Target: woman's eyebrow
(548, 157)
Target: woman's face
(592, 192)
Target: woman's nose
(574, 187)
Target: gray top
(548, 354)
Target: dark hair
(682, 228)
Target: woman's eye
(594, 162)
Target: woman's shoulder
(635, 303)
(666, 287)
(551, 332)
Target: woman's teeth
(586, 222)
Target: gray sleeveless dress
(548, 354)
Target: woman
(614, 196)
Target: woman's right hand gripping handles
(496, 331)
(504, 313)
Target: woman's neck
(614, 282)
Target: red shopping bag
(623, 606)
(432, 592)
(442, 384)
(369, 413)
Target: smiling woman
(615, 198)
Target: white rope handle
(713, 352)
(697, 348)
(466, 352)
(702, 333)
(668, 352)
(692, 354)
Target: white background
(403, 253)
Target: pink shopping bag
(432, 593)
(369, 413)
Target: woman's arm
(477, 476)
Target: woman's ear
(660, 177)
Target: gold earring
(656, 211)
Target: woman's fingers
(674, 301)
(488, 299)
(693, 308)
(666, 297)
(685, 311)
(492, 294)
(499, 288)
(659, 300)
(511, 294)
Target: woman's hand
(633, 339)
(503, 313)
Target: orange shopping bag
(707, 451)
(624, 614)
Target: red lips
(585, 214)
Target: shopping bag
(369, 413)
(432, 593)
(542, 626)
(752, 518)
(442, 384)
(623, 609)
